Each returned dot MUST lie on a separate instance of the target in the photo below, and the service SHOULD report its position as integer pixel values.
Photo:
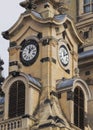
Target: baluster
(5, 127)
(14, 124)
(11, 126)
(1, 127)
(20, 123)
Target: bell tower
(43, 67)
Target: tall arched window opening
(79, 108)
(17, 99)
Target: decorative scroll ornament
(57, 4)
(61, 7)
(28, 4)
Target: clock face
(63, 55)
(29, 52)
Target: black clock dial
(64, 55)
(29, 52)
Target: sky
(10, 11)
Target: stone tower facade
(84, 22)
(44, 90)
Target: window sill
(86, 13)
(85, 16)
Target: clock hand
(29, 50)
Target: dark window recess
(13, 63)
(87, 8)
(87, 73)
(46, 59)
(64, 34)
(14, 73)
(57, 29)
(65, 25)
(54, 93)
(68, 47)
(67, 71)
(1, 112)
(81, 33)
(12, 44)
(86, 1)
(59, 95)
(70, 95)
(80, 49)
(46, 5)
(79, 108)
(53, 60)
(45, 42)
(39, 35)
(17, 99)
(86, 34)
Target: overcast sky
(9, 14)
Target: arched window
(17, 99)
(79, 108)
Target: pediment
(72, 83)
(22, 24)
(28, 79)
(25, 32)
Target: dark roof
(85, 54)
(36, 14)
(34, 81)
(66, 83)
(60, 17)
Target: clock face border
(24, 44)
(60, 57)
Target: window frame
(89, 4)
(14, 112)
(79, 108)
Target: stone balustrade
(11, 124)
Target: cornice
(57, 20)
